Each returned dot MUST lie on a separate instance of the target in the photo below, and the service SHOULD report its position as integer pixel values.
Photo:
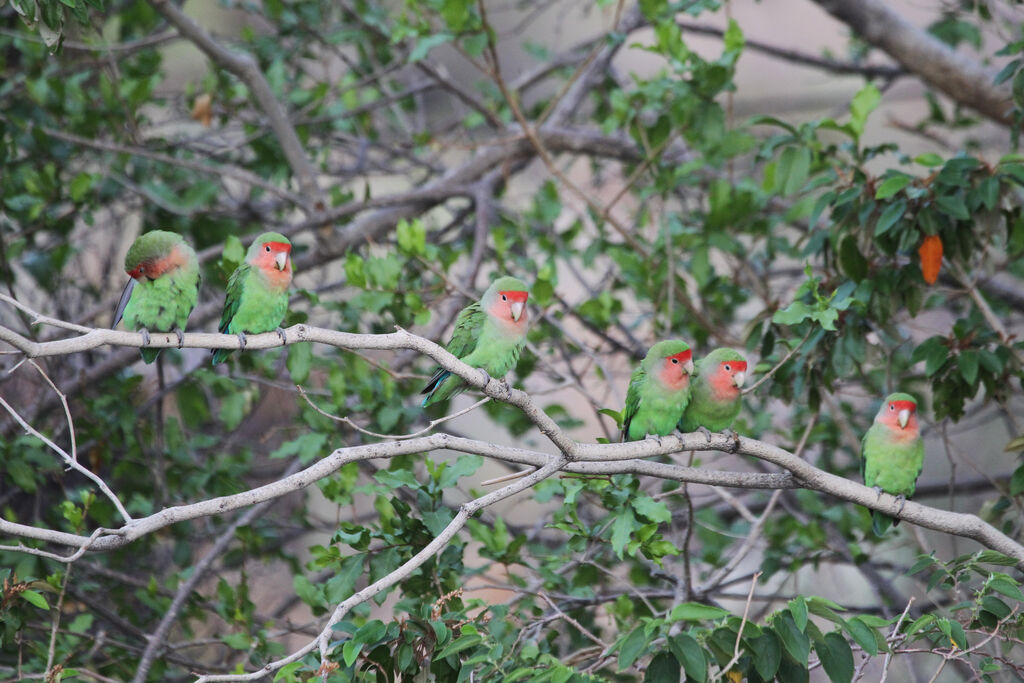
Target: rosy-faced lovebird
(257, 294)
(659, 391)
(892, 454)
(163, 288)
(715, 392)
(489, 335)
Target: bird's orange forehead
(279, 247)
(682, 356)
(737, 365)
(515, 296)
(903, 405)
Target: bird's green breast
(658, 411)
(891, 464)
(704, 410)
(260, 308)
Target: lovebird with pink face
(892, 454)
(715, 397)
(163, 288)
(257, 293)
(489, 335)
(659, 391)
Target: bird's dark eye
(675, 360)
(728, 368)
(892, 406)
(267, 248)
(504, 298)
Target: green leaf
(767, 654)
(852, 261)
(695, 611)
(862, 635)
(461, 643)
(622, 529)
(836, 657)
(892, 185)
(928, 159)
(1001, 583)
(863, 103)
(798, 608)
(631, 648)
(299, 362)
(796, 642)
(663, 669)
(794, 314)
(35, 598)
(793, 168)
(233, 253)
(892, 213)
(968, 362)
(426, 44)
(691, 655)
(654, 510)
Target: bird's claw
(653, 437)
(181, 337)
(878, 491)
(734, 439)
(145, 336)
(282, 335)
(487, 377)
(902, 500)
(241, 341)
(704, 430)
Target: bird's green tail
(149, 355)
(880, 522)
(220, 355)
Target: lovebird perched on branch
(715, 393)
(892, 454)
(257, 294)
(163, 288)
(489, 335)
(659, 391)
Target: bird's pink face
(901, 418)
(154, 268)
(275, 261)
(728, 378)
(676, 369)
(509, 306)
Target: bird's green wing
(233, 297)
(467, 330)
(636, 382)
(864, 455)
(464, 339)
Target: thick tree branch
(957, 76)
(583, 457)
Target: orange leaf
(202, 109)
(931, 258)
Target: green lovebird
(257, 294)
(892, 454)
(659, 391)
(163, 288)
(489, 335)
(715, 393)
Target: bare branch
(957, 76)
(246, 69)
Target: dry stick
(579, 627)
(157, 639)
(778, 365)
(755, 531)
(323, 641)
(892, 639)
(739, 635)
(69, 461)
(396, 437)
(247, 70)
